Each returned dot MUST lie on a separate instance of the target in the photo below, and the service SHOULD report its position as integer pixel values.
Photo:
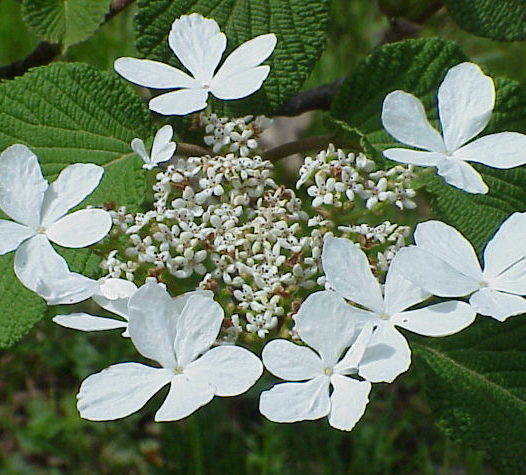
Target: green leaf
(73, 113)
(476, 386)
(300, 26)
(64, 21)
(503, 20)
(476, 380)
(20, 308)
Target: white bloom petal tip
(199, 45)
(162, 148)
(466, 98)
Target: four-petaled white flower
(466, 99)
(162, 148)
(179, 339)
(39, 216)
(199, 44)
(444, 263)
(325, 324)
(348, 273)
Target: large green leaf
(476, 386)
(71, 113)
(300, 26)
(502, 20)
(475, 380)
(64, 21)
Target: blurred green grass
(40, 430)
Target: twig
(46, 52)
(191, 150)
(307, 144)
(319, 98)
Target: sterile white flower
(348, 273)
(199, 45)
(466, 99)
(444, 263)
(39, 216)
(162, 148)
(325, 324)
(179, 338)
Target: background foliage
(476, 381)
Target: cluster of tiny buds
(340, 177)
(224, 220)
(233, 135)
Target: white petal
(465, 101)
(348, 401)
(504, 150)
(22, 185)
(348, 272)
(180, 102)
(291, 362)
(152, 316)
(401, 293)
(293, 402)
(45, 272)
(448, 244)
(137, 146)
(504, 256)
(230, 369)
(241, 84)
(498, 305)
(414, 157)
(180, 301)
(442, 319)
(114, 294)
(87, 323)
(119, 390)
(199, 45)
(462, 175)
(81, 228)
(153, 74)
(404, 117)
(387, 356)
(74, 183)
(434, 274)
(163, 148)
(184, 397)
(350, 362)
(197, 328)
(328, 324)
(12, 235)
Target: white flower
(348, 273)
(39, 216)
(199, 44)
(162, 149)
(325, 323)
(444, 263)
(179, 338)
(466, 99)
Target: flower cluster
(226, 251)
(339, 177)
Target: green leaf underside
(476, 383)
(467, 385)
(300, 26)
(502, 20)
(20, 308)
(73, 113)
(64, 21)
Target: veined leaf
(300, 26)
(71, 113)
(502, 20)
(64, 21)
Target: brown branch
(46, 52)
(307, 144)
(319, 98)
(191, 150)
